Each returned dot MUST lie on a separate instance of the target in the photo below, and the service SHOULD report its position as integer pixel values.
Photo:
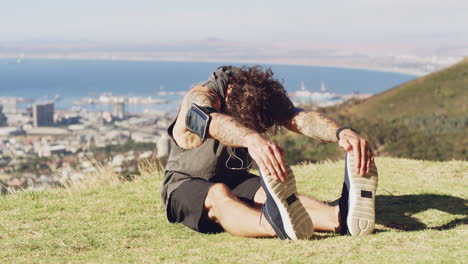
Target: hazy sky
(260, 21)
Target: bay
(45, 79)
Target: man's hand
(268, 156)
(352, 141)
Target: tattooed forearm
(228, 131)
(222, 127)
(314, 124)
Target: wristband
(343, 128)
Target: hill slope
(421, 217)
(441, 94)
(426, 118)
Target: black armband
(198, 120)
(338, 131)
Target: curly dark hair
(257, 100)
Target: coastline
(279, 62)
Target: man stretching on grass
(220, 129)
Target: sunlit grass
(422, 217)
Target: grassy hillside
(426, 118)
(427, 99)
(422, 218)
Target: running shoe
(283, 209)
(357, 202)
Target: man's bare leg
(234, 216)
(324, 217)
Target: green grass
(422, 218)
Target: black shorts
(185, 204)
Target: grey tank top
(210, 161)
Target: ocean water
(42, 80)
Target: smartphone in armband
(198, 120)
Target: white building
(11, 131)
(163, 146)
(9, 104)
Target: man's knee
(217, 193)
(260, 196)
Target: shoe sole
(361, 214)
(296, 221)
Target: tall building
(43, 114)
(163, 146)
(118, 110)
(3, 118)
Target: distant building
(163, 146)
(9, 105)
(68, 120)
(47, 131)
(11, 131)
(118, 110)
(46, 150)
(43, 114)
(144, 137)
(3, 118)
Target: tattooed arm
(222, 127)
(318, 126)
(313, 124)
(267, 154)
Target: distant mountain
(213, 49)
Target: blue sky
(260, 21)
